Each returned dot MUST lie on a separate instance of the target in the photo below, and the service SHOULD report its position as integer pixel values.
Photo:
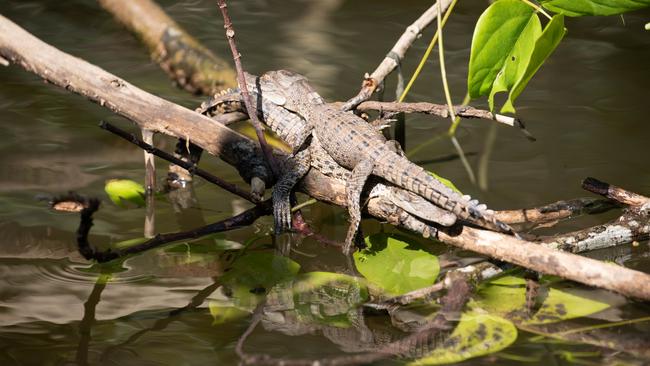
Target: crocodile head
(288, 89)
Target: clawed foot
(282, 215)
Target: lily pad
(396, 266)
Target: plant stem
(537, 8)
(427, 52)
(248, 101)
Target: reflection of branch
(172, 316)
(86, 324)
(631, 341)
(187, 62)
(89, 252)
(396, 54)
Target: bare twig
(440, 110)
(248, 101)
(396, 54)
(614, 193)
(189, 166)
(555, 211)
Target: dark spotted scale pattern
(352, 143)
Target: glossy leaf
(495, 36)
(517, 60)
(396, 266)
(507, 296)
(476, 335)
(560, 305)
(121, 191)
(575, 8)
(544, 46)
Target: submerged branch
(186, 61)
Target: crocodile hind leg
(296, 167)
(353, 190)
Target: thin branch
(187, 165)
(91, 253)
(396, 54)
(615, 193)
(248, 101)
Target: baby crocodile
(356, 145)
(293, 130)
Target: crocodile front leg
(353, 190)
(295, 168)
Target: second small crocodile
(356, 145)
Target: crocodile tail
(402, 172)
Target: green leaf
(495, 36)
(576, 8)
(507, 296)
(121, 191)
(396, 266)
(476, 335)
(560, 305)
(517, 60)
(256, 273)
(544, 46)
(446, 182)
(325, 298)
(224, 314)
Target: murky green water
(587, 107)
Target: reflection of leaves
(507, 296)
(327, 298)
(121, 191)
(255, 273)
(561, 305)
(476, 335)
(574, 8)
(395, 266)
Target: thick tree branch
(146, 110)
